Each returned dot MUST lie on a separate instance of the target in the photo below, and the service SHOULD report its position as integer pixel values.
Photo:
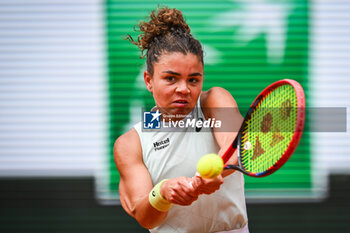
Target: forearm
(146, 215)
(139, 206)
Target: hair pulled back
(166, 31)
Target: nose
(182, 87)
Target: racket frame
(300, 122)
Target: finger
(209, 186)
(190, 190)
(213, 182)
(197, 181)
(182, 193)
(181, 198)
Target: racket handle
(229, 152)
(237, 168)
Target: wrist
(156, 199)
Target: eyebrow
(178, 74)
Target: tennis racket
(271, 130)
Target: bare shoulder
(217, 97)
(127, 149)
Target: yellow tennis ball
(210, 166)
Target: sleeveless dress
(175, 152)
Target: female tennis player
(158, 185)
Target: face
(176, 83)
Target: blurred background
(70, 85)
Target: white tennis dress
(172, 154)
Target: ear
(148, 80)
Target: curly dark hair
(167, 31)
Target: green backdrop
(248, 45)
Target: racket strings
(269, 130)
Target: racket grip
(229, 152)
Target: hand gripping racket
(271, 130)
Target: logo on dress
(161, 144)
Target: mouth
(180, 107)
(181, 102)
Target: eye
(193, 80)
(170, 78)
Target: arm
(219, 104)
(136, 183)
